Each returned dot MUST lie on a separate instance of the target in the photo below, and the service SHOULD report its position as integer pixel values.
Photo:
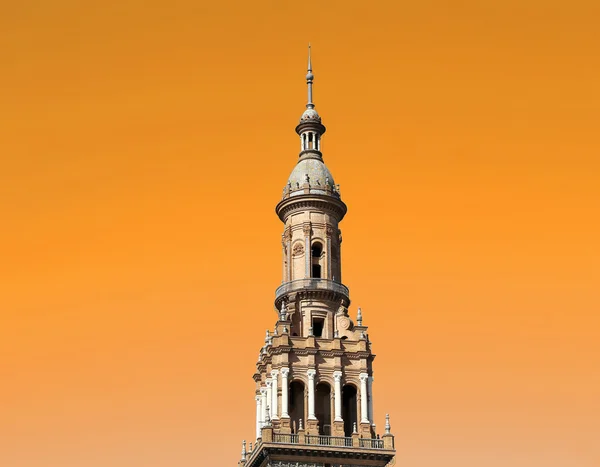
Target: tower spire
(310, 129)
(309, 81)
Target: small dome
(310, 115)
(318, 177)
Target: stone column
(284, 392)
(364, 415)
(337, 376)
(269, 384)
(263, 405)
(258, 416)
(370, 395)
(311, 394)
(274, 400)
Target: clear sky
(144, 145)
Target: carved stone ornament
(343, 323)
(329, 230)
(306, 228)
(298, 249)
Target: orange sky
(144, 146)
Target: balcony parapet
(323, 440)
(312, 286)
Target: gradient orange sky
(144, 145)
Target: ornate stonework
(298, 249)
(314, 375)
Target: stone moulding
(303, 203)
(316, 455)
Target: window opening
(318, 325)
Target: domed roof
(318, 174)
(310, 115)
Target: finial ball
(310, 76)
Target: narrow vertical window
(316, 253)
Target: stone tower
(314, 375)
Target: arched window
(296, 401)
(349, 408)
(323, 408)
(317, 250)
(316, 253)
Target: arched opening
(317, 250)
(296, 402)
(316, 253)
(323, 408)
(349, 411)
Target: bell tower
(314, 375)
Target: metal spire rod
(309, 81)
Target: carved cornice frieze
(281, 349)
(331, 353)
(305, 351)
(356, 355)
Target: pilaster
(306, 229)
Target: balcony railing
(285, 438)
(370, 443)
(322, 440)
(311, 284)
